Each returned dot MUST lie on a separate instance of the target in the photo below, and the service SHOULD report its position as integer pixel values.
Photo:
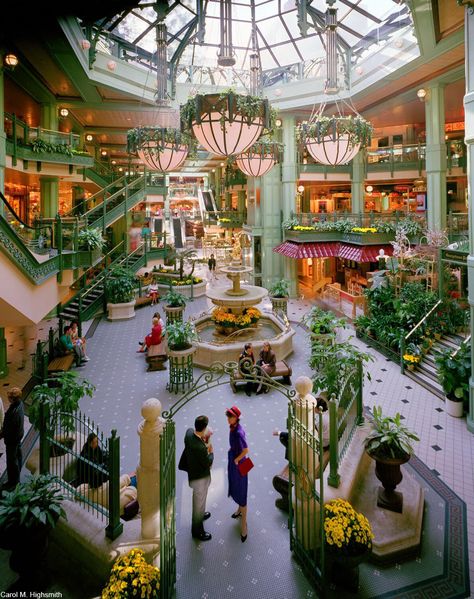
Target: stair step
(455, 338)
(445, 342)
(426, 382)
(428, 371)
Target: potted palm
(180, 336)
(279, 295)
(174, 304)
(120, 286)
(454, 371)
(390, 445)
(27, 516)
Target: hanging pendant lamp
(260, 158)
(161, 149)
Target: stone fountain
(225, 344)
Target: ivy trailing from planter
(358, 129)
(40, 146)
(140, 136)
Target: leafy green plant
(332, 364)
(91, 239)
(158, 136)
(289, 223)
(174, 299)
(180, 335)
(181, 257)
(322, 322)
(62, 393)
(280, 289)
(358, 129)
(389, 438)
(120, 285)
(454, 371)
(36, 502)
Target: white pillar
(148, 471)
(435, 156)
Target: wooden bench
(61, 364)
(144, 300)
(156, 358)
(281, 483)
(282, 370)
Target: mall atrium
(292, 175)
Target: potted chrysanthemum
(132, 576)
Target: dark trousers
(14, 463)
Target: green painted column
(49, 116)
(3, 354)
(241, 196)
(435, 156)
(469, 139)
(218, 179)
(228, 200)
(49, 196)
(289, 171)
(3, 137)
(271, 214)
(357, 183)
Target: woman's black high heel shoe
(242, 538)
(236, 515)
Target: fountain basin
(215, 347)
(253, 295)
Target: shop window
(382, 142)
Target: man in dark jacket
(12, 433)
(197, 460)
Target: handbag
(183, 462)
(245, 466)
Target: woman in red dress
(154, 338)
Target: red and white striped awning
(357, 253)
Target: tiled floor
(262, 567)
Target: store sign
(454, 256)
(454, 126)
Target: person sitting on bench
(246, 362)
(267, 363)
(78, 340)
(153, 292)
(91, 454)
(153, 338)
(321, 404)
(67, 346)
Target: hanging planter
(227, 123)
(260, 158)
(159, 148)
(335, 140)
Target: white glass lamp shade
(255, 164)
(169, 158)
(331, 152)
(224, 138)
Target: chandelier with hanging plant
(161, 149)
(260, 158)
(226, 123)
(335, 139)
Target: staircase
(426, 373)
(101, 174)
(90, 299)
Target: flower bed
(223, 317)
(197, 285)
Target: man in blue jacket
(12, 433)
(197, 460)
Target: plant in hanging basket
(336, 139)
(226, 123)
(160, 148)
(260, 158)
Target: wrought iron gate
(167, 510)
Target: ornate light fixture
(335, 139)
(63, 113)
(11, 60)
(260, 158)
(226, 124)
(159, 148)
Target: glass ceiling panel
(361, 24)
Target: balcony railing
(369, 219)
(18, 130)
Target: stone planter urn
(174, 313)
(344, 569)
(123, 311)
(280, 303)
(388, 471)
(181, 369)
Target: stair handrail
(104, 258)
(22, 223)
(93, 197)
(125, 189)
(437, 305)
(466, 340)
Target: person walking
(267, 363)
(246, 363)
(12, 433)
(196, 460)
(211, 263)
(238, 484)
